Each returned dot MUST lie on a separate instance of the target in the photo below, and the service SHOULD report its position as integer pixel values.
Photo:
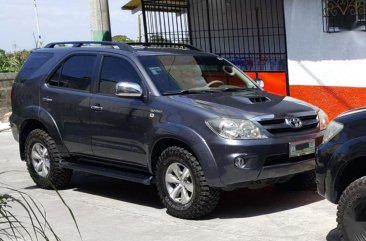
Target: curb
(4, 126)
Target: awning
(158, 5)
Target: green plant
(24, 218)
(12, 62)
(122, 39)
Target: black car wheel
(351, 215)
(43, 158)
(182, 185)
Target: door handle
(96, 107)
(46, 99)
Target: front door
(119, 124)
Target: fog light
(240, 162)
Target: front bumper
(266, 159)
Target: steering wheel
(214, 82)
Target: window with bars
(341, 15)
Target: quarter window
(116, 70)
(75, 73)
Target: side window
(116, 70)
(55, 77)
(76, 73)
(34, 62)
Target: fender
(348, 151)
(191, 138)
(41, 115)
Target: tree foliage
(122, 39)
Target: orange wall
(274, 82)
(332, 99)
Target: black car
(188, 121)
(341, 171)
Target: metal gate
(250, 33)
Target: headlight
(323, 119)
(235, 129)
(333, 129)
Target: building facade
(314, 50)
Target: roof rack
(176, 45)
(121, 46)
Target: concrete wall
(6, 81)
(326, 69)
(315, 57)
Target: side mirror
(260, 82)
(128, 89)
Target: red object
(332, 99)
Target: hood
(247, 104)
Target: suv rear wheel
(42, 158)
(351, 215)
(182, 185)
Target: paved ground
(113, 210)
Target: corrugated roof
(131, 5)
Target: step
(109, 172)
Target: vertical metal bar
(258, 32)
(165, 29)
(172, 39)
(285, 42)
(189, 22)
(209, 25)
(144, 20)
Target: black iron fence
(250, 33)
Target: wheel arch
(351, 171)
(45, 122)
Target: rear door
(66, 96)
(119, 125)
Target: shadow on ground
(238, 203)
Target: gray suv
(190, 122)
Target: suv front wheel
(182, 185)
(351, 215)
(43, 158)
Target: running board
(109, 172)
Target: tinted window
(55, 78)
(174, 73)
(76, 72)
(116, 70)
(33, 63)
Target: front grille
(284, 158)
(276, 126)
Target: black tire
(204, 199)
(301, 181)
(57, 177)
(351, 215)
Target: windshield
(187, 73)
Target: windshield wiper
(185, 92)
(234, 89)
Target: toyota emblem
(295, 123)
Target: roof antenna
(39, 40)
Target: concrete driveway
(109, 210)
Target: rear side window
(75, 73)
(33, 63)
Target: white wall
(318, 58)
